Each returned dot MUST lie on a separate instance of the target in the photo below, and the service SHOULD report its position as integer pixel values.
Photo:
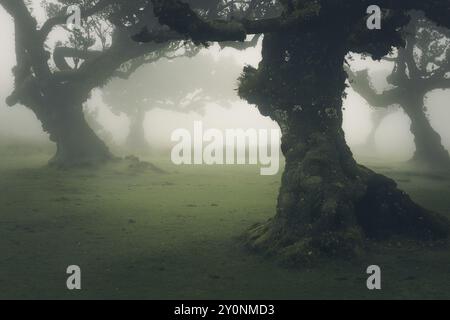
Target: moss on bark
(328, 205)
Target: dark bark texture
(328, 205)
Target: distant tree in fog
(182, 85)
(55, 81)
(328, 204)
(421, 67)
(377, 114)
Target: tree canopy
(55, 80)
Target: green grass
(149, 235)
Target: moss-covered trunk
(328, 204)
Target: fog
(394, 140)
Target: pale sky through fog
(394, 138)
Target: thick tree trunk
(76, 142)
(328, 205)
(430, 153)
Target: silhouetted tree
(87, 59)
(328, 204)
(377, 116)
(56, 93)
(181, 84)
(422, 66)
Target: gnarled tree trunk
(328, 204)
(61, 114)
(430, 152)
(76, 142)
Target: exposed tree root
(383, 212)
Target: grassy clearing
(149, 235)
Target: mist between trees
(148, 58)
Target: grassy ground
(173, 236)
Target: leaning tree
(328, 204)
(182, 85)
(422, 66)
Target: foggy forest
(224, 149)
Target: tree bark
(328, 205)
(430, 153)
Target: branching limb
(185, 21)
(62, 53)
(361, 84)
(25, 29)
